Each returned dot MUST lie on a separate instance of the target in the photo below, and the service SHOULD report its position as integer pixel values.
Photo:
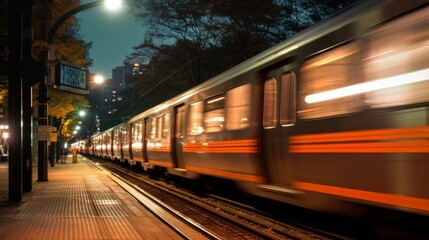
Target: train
(333, 118)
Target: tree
(62, 104)
(178, 38)
(68, 43)
(193, 40)
(68, 46)
(319, 10)
(246, 27)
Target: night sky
(113, 34)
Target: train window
(153, 128)
(124, 134)
(214, 114)
(270, 103)
(165, 126)
(397, 64)
(238, 107)
(147, 129)
(116, 137)
(195, 124)
(136, 131)
(108, 138)
(104, 139)
(325, 79)
(158, 127)
(287, 100)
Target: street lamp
(49, 37)
(112, 4)
(98, 79)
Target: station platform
(79, 201)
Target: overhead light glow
(112, 4)
(399, 80)
(98, 79)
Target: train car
(334, 116)
(79, 145)
(87, 149)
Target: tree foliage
(68, 43)
(68, 46)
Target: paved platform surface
(79, 201)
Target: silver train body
(334, 116)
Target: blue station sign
(71, 78)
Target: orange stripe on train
(158, 149)
(233, 146)
(410, 140)
(228, 174)
(160, 163)
(367, 135)
(385, 198)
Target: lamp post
(49, 37)
(43, 97)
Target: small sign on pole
(44, 133)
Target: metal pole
(27, 97)
(15, 100)
(48, 37)
(43, 96)
(53, 145)
(59, 139)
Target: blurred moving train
(336, 115)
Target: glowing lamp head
(112, 5)
(98, 79)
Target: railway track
(215, 217)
